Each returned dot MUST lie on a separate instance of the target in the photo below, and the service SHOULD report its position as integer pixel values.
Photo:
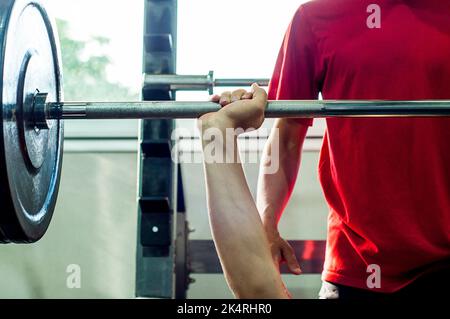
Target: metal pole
(275, 109)
(180, 82)
(198, 82)
(240, 82)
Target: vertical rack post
(159, 179)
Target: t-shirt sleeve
(296, 71)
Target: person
(386, 181)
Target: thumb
(291, 261)
(259, 95)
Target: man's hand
(282, 251)
(240, 110)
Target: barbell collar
(39, 109)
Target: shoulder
(329, 15)
(331, 8)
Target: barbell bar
(42, 111)
(197, 82)
(33, 112)
(275, 109)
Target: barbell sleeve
(275, 109)
(208, 82)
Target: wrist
(219, 140)
(216, 122)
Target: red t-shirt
(386, 181)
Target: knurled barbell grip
(275, 109)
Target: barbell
(33, 110)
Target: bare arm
(298, 75)
(275, 190)
(237, 229)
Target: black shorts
(433, 285)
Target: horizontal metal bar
(198, 82)
(180, 82)
(240, 82)
(275, 109)
(203, 257)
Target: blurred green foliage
(85, 75)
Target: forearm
(238, 233)
(275, 189)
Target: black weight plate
(30, 159)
